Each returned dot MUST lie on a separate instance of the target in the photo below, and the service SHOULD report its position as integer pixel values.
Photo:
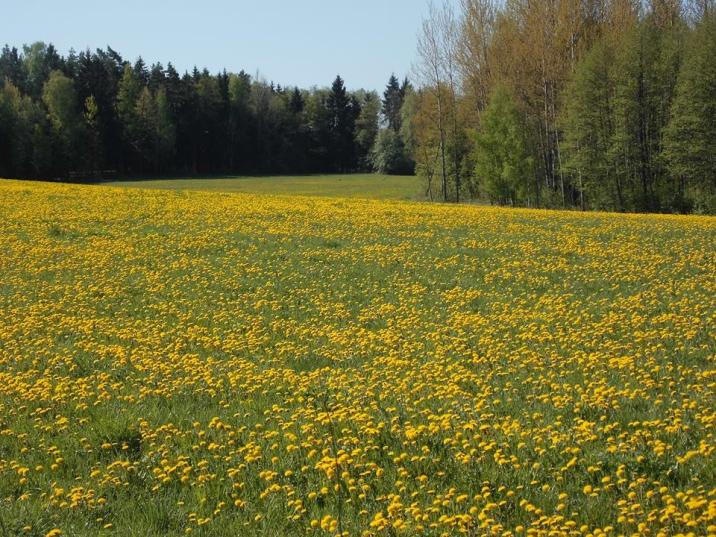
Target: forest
(95, 113)
(585, 104)
(592, 104)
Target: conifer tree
(392, 103)
(342, 114)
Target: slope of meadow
(218, 364)
(372, 186)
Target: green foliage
(608, 118)
(407, 128)
(394, 145)
(393, 99)
(94, 142)
(368, 186)
(503, 163)
(343, 110)
(104, 113)
(690, 136)
(366, 128)
(63, 111)
(39, 61)
(616, 107)
(127, 95)
(589, 130)
(61, 100)
(164, 130)
(389, 154)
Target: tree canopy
(87, 113)
(615, 101)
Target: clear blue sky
(292, 42)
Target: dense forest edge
(589, 104)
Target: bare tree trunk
(429, 70)
(441, 128)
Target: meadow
(177, 362)
(366, 186)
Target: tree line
(88, 113)
(592, 104)
(595, 104)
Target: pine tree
(127, 95)
(144, 130)
(240, 119)
(157, 77)
(12, 131)
(141, 71)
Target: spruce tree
(296, 104)
(342, 111)
(392, 103)
(12, 68)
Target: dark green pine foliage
(297, 103)
(136, 119)
(343, 111)
(392, 103)
(389, 154)
(12, 68)
(393, 99)
(128, 92)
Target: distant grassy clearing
(370, 186)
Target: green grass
(217, 364)
(369, 186)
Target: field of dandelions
(212, 364)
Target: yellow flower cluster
(178, 363)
